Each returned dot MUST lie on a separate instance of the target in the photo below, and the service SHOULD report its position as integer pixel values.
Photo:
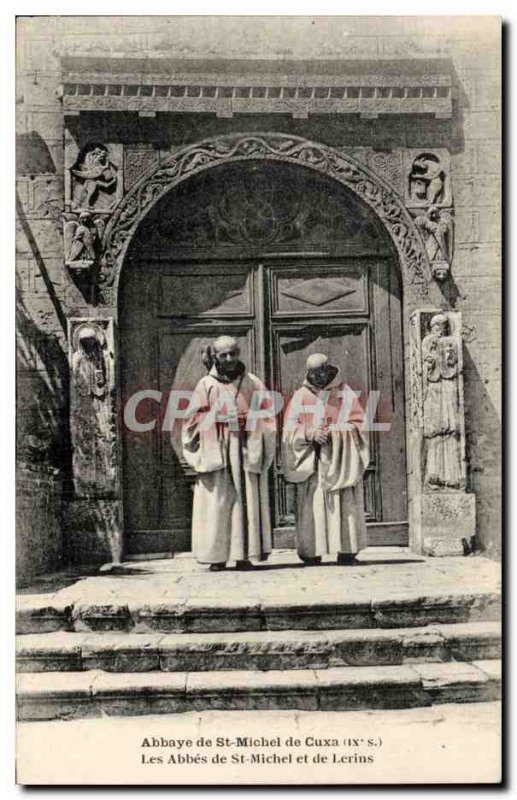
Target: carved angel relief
(82, 234)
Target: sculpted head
(88, 340)
(225, 350)
(439, 325)
(96, 154)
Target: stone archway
(334, 164)
(420, 295)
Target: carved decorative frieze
(92, 406)
(373, 190)
(225, 95)
(137, 161)
(388, 164)
(438, 429)
(428, 195)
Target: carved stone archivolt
(428, 195)
(138, 160)
(188, 161)
(92, 406)
(251, 209)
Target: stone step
(277, 610)
(54, 695)
(257, 650)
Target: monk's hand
(230, 418)
(320, 436)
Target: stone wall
(47, 296)
(40, 542)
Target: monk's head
(320, 372)
(225, 350)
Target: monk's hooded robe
(329, 477)
(230, 515)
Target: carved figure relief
(93, 187)
(92, 406)
(428, 181)
(436, 226)
(82, 236)
(429, 198)
(441, 406)
(95, 180)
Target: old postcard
(259, 391)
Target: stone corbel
(443, 512)
(428, 196)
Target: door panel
(206, 294)
(358, 333)
(348, 347)
(280, 313)
(163, 342)
(300, 291)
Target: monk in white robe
(231, 456)
(325, 453)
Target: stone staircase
(171, 637)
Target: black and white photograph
(258, 389)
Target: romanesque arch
(433, 517)
(333, 163)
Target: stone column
(94, 516)
(442, 511)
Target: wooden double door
(280, 311)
